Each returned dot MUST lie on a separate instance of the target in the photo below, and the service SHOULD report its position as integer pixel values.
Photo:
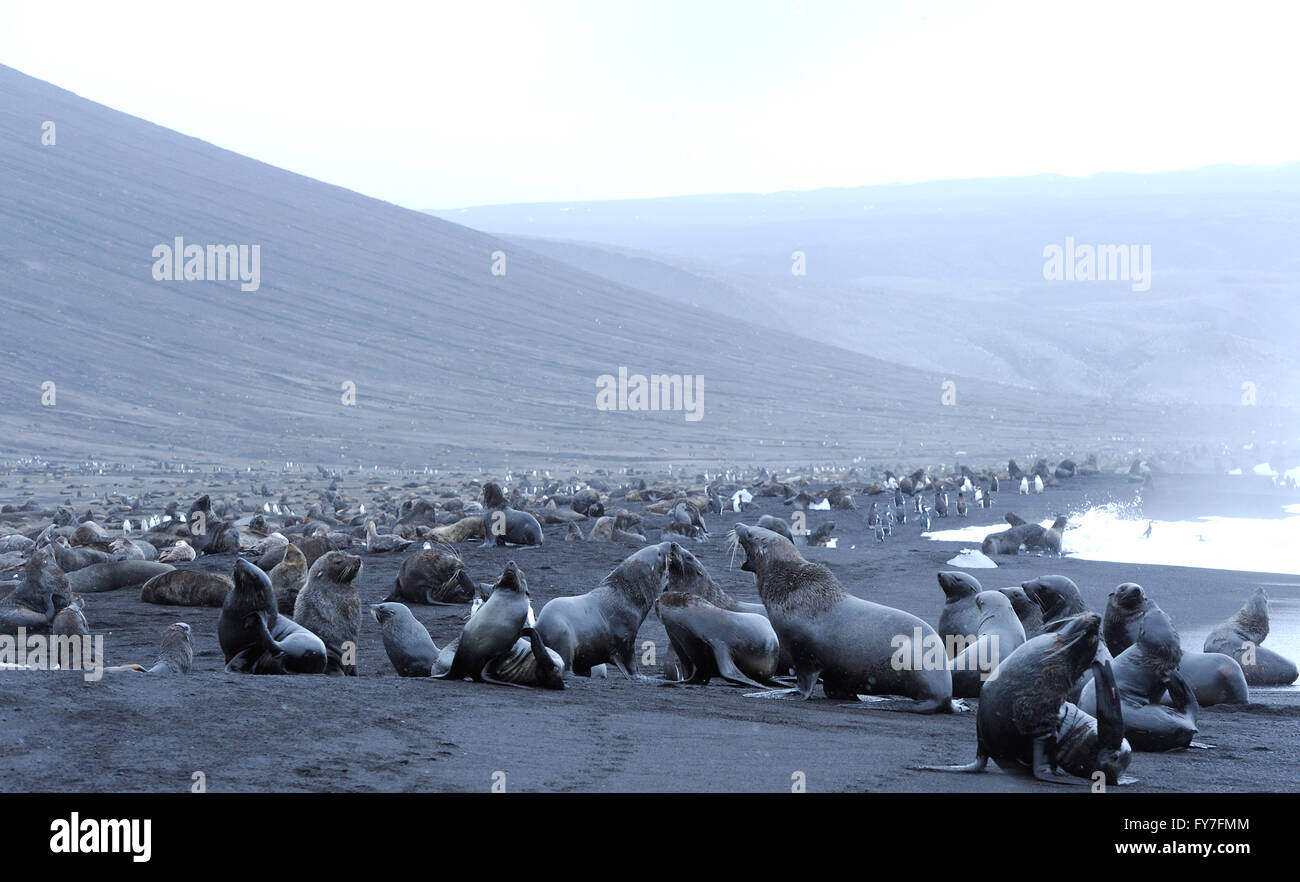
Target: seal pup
(492, 630)
(855, 646)
(72, 559)
(1024, 722)
(288, 578)
(411, 650)
(998, 633)
(1240, 636)
(187, 588)
(1142, 673)
(39, 597)
(504, 525)
(435, 576)
(741, 648)
(329, 606)
(959, 617)
(601, 625)
(462, 530)
(256, 639)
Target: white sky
(443, 105)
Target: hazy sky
(442, 105)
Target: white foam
(1116, 533)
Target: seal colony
(289, 581)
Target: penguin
(1038, 484)
(940, 504)
(1024, 486)
(880, 532)
(961, 505)
(994, 485)
(873, 519)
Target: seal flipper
(486, 677)
(1014, 519)
(727, 669)
(1110, 710)
(981, 761)
(805, 681)
(1182, 696)
(1045, 766)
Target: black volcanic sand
(131, 732)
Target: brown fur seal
(1125, 607)
(330, 607)
(311, 547)
(493, 629)
(852, 644)
(434, 576)
(187, 588)
(741, 648)
(504, 525)
(601, 625)
(377, 543)
(256, 639)
(1024, 722)
(40, 596)
(1143, 672)
(1240, 637)
(288, 578)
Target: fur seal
(330, 607)
(187, 588)
(1057, 596)
(72, 559)
(1024, 722)
(741, 648)
(288, 578)
(505, 525)
(777, 525)
(849, 642)
(1215, 678)
(434, 576)
(960, 617)
(493, 629)
(1029, 535)
(410, 649)
(1142, 674)
(377, 543)
(1027, 610)
(209, 534)
(1240, 636)
(996, 636)
(177, 653)
(255, 639)
(71, 620)
(116, 574)
(39, 597)
(601, 625)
